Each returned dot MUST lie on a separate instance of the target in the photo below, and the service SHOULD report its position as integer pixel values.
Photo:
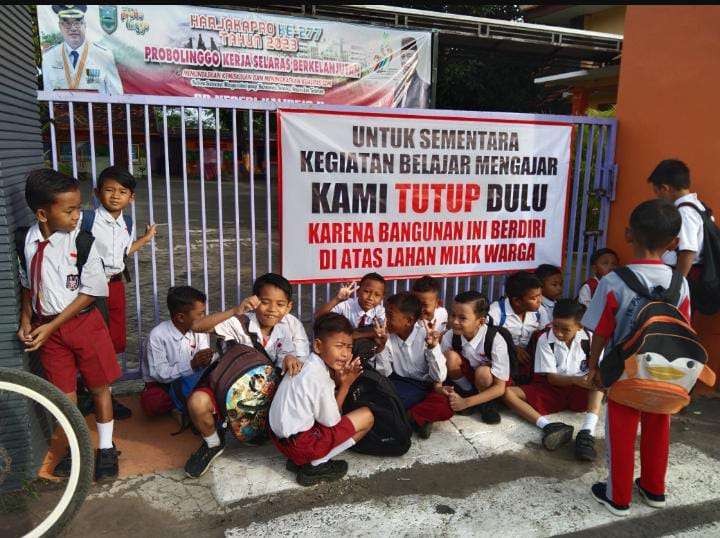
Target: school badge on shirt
(73, 282)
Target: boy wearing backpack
(61, 274)
(427, 290)
(653, 230)
(477, 357)
(306, 417)
(602, 262)
(411, 357)
(520, 312)
(175, 354)
(561, 382)
(551, 279)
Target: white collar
(105, 214)
(35, 235)
(479, 335)
(690, 197)
(411, 338)
(68, 49)
(579, 337)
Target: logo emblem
(73, 282)
(108, 18)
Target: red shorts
(116, 314)
(211, 394)
(82, 343)
(546, 398)
(316, 442)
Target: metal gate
(207, 176)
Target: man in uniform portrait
(76, 64)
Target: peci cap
(69, 11)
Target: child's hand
(380, 335)
(23, 333)
(432, 337)
(522, 355)
(202, 358)
(247, 305)
(346, 291)
(292, 365)
(457, 402)
(150, 231)
(595, 379)
(38, 337)
(350, 373)
(585, 382)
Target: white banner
(412, 195)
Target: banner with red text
(411, 195)
(198, 51)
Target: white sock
(212, 440)
(591, 420)
(342, 447)
(542, 422)
(105, 432)
(463, 383)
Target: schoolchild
(602, 262)
(427, 290)
(551, 279)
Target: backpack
(243, 381)
(86, 225)
(656, 366)
(705, 291)
(593, 284)
(83, 243)
(391, 433)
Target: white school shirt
(59, 281)
(352, 310)
(278, 346)
(299, 336)
(411, 358)
(168, 352)
(474, 351)
(585, 294)
(691, 230)
(559, 358)
(304, 399)
(520, 329)
(549, 305)
(440, 318)
(113, 240)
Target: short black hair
(43, 185)
(425, 284)
(671, 172)
(332, 323)
(546, 270)
(372, 276)
(599, 253)
(180, 299)
(273, 279)
(518, 284)
(655, 223)
(479, 302)
(406, 303)
(568, 308)
(119, 174)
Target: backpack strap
(633, 282)
(489, 339)
(457, 343)
(20, 238)
(245, 323)
(670, 295)
(83, 244)
(690, 204)
(88, 219)
(503, 313)
(129, 223)
(585, 344)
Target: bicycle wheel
(31, 410)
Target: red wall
(668, 106)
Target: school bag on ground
(705, 291)
(243, 381)
(656, 366)
(391, 433)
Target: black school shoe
(120, 411)
(330, 471)
(86, 404)
(489, 413)
(106, 464)
(199, 462)
(652, 500)
(423, 431)
(599, 493)
(556, 434)
(585, 446)
(62, 469)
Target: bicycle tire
(83, 464)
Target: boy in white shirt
(362, 310)
(306, 413)
(562, 382)
(551, 279)
(410, 356)
(427, 290)
(671, 181)
(602, 262)
(479, 367)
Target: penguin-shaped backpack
(656, 366)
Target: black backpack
(705, 291)
(83, 243)
(391, 432)
(492, 332)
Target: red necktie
(361, 323)
(36, 273)
(265, 340)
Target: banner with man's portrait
(196, 51)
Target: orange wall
(668, 107)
